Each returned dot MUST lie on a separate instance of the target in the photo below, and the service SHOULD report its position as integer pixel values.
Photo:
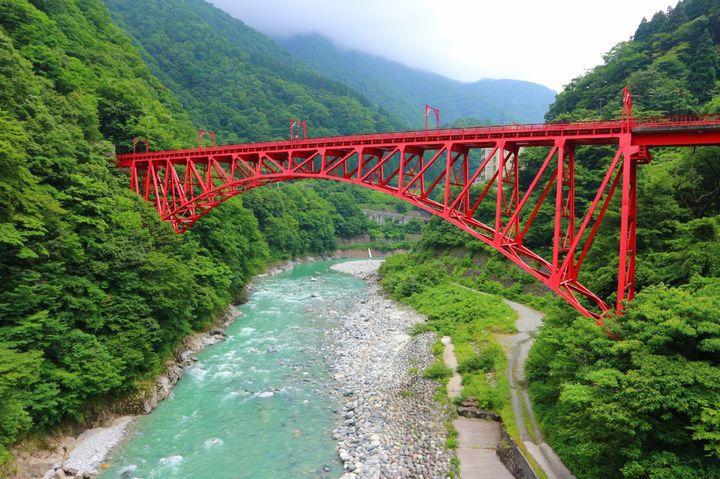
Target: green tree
(703, 68)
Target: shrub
(438, 370)
(484, 361)
(479, 362)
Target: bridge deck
(674, 131)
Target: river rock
(390, 424)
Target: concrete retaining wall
(513, 458)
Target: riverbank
(79, 450)
(390, 424)
(72, 453)
(387, 444)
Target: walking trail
(478, 438)
(518, 346)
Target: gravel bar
(389, 425)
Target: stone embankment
(389, 426)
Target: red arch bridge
(431, 169)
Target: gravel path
(389, 426)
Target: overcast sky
(548, 42)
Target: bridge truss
(469, 177)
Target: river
(260, 404)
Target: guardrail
(532, 129)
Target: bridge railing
(677, 121)
(465, 131)
(422, 135)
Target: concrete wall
(382, 217)
(513, 458)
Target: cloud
(547, 42)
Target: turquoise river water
(219, 424)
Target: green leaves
(703, 68)
(294, 219)
(18, 372)
(644, 405)
(95, 290)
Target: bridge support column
(465, 182)
(559, 202)
(500, 178)
(401, 169)
(568, 210)
(628, 224)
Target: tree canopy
(96, 292)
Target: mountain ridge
(404, 90)
(235, 80)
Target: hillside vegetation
(96, 291)
(234, 80)
(646, 404)
(405, 91)
(639, 398)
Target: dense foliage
(641, 405)
(95, 290)
(644, 402)
(235, 81)
(405, 91)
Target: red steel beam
(186, 184)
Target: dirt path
(454, 385)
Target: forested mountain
(640, 397)
(646, 402)
(405, 91)
(234, 80)
(96, 291)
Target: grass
(438, 348)
(452, 438)
(438, 370)
(454, 307)
(455, 467)
(454, 311)
(406, 393)
(528, 424)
